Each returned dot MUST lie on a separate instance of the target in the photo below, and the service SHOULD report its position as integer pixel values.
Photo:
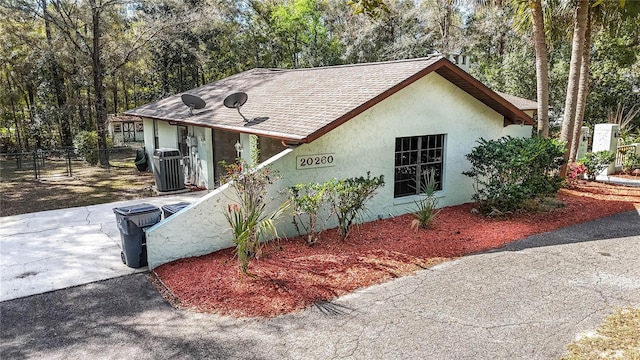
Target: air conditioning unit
(168, 169)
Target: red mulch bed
(291, 275)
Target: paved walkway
(56, 249)
(611, 179)
(525, 301)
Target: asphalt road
(525, 301)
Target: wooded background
(65, 64)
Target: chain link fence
(60, 162)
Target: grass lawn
(618, 337)
(21, 192)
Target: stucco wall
(429, 106)
(201, 228)
(604, 139)
(167, 135)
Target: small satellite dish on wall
(235, 101)
(193, 102)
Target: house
(395, 119)
(125, 128)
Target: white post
(605, 138)
(584, 142)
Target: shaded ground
(21, 192)
(291, 276)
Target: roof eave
(269, 134)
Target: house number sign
(314, 161)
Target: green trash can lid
(136, 209)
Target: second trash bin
(132, 221)
(168, 210)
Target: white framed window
(414, 156)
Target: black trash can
(132, 221)
(168, 210)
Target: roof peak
(399, 61)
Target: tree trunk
(89, 106)
(580, 24)
(542, 69)
(115, 93)
(15, 116)
(58, 83)
(582, 94)
(125, 93)
(98, 84)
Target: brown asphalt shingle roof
(521, 103)
(301, 105)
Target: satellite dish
(235, 101)
(193, 102)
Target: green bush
(597, 162)
(343, 198)
(631, 162)
(308, 200)
(86, 144)
(509, 172)
(350, 196)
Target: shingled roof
(303, 104)
(521, 103)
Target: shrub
(307, 201)
(509, 171)
(248, 219)
(86, 144)
(350, 196)
(596, 162)
(427, 206)
(631, 162)
(575, 172)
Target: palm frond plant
(427, 206)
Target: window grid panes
(414, 157)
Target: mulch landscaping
(291, 276)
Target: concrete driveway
(52, 250)
(524, 301)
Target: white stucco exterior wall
(523, 131)
(604, 139)
(167, 135)
(201, 228)
(430, 106)
(148, 137)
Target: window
(414, 157)
(117, 128)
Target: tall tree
(583, 89)
(82, 25)
(542, 67)
(57, 80)
(578, 42)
